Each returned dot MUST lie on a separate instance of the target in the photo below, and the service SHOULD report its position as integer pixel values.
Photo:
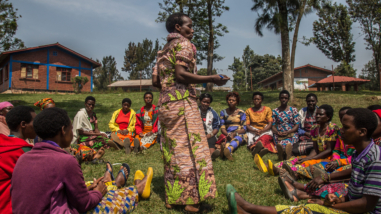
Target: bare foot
(140, 184)
(315, 201)
(192, 208)
(100, 153)
(277, 171)
(290, 187)
(120, 181)
(312, 169)
(240, 204)
(107, 176)
(168, 206)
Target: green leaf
(172, 97)
(178, 94)
(203, 186)
(174, 192)
(186, 94)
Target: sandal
(286, 174)
(259, 162)
(270, 168)
(136, 145)
(147, 188)
(97, 161)
(112, 176)
(139, 175)
(258, 147)
(230, 194)
(289, 194)
(126, 144)
(280, 150)
(124, 174)
(290, 171)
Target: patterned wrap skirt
(306, 209)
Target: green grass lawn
(254, 186)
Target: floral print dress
(285, 121)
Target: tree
(370, 72)
(8, 27)
(107, 73)
(139, 59)
(368, 14)
(202, 13)
(275, 16)
(78, 83)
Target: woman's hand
(101, 187)
(331, 199)
(149, 134)
(103, 135)
(331, 166)
(123, 132)
(216, 79)
(94, 184)
(258, 132)
(315, 183)
(141, 134)
(301, 160)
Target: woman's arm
(156, 81)
(185, 77)
(294, 129)
(267, 127)
(88, 133)
(363, 205)
(326, 153)
(223, 131)
(275, 131)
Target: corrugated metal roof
(341, 79)
(130, 83)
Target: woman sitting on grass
(233, 126)
(54, 179)
(377, 133)
(285, 126)
(122, 124)
(5, 107)
(147, 123)
(258, 122)
(85, 128)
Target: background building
(133, 85)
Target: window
(63, 74)
(55, 53)
(29, 71)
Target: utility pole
(244, 65)
(140, 81)
(251, 78)
(333, 77)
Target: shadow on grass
(158, 187)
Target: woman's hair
(17, 115)
(148, 92)
(328, 110)
(284, 92)
(50, 121)
(344, 108)
(233, 94)
(176, 18)
(311, 95)
(364, 118)
(126, 100)
(258, 93)
(89, 98)
(206, 95)
(374, 107)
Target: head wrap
(378, 112)
(44, 102)
(5, 105)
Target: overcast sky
(98, 28)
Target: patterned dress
(231, 123)
(188, 170)
(285, 121)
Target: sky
(98, 28)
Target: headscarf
(5, 105)
(378, 112)
(44, 102)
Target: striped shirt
(366, 174)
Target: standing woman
(188, 171)
(285, 126)
(258, 123)
(146, 123)
(233, 126)
(211, 123)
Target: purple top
(49, 180)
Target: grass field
(254, 186)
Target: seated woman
(258, 123)
(285, 126)
(377, 133)
(122, 124)
(211, 123)
(146, 125)
(233, 126)
(364, 188)
(85, 128)
(55, 180)
(5, 107)
(45, 103)
(307, 118)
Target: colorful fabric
(258, 119)
(302, 147)
(87, 152)
(188, 169)
(377, 141)
(141, 122)
(306, 171)
(81, 121)
(342, 153)
(5, 104)
(307, 120)
(148, 127)
(306, 209)
(94, 142)
(44, 102)
(123, 200)
(339, 189)
(4, 126)
(267, 142)
(123, 120)
(114, 126)
(330, 134)
(365, 177)
(234, 122)
(178, 51)
(285, 121)
(211, 120)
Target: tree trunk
(295, 39)
(285, 39)
(209, 86)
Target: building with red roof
(343, 82)
(304, 76)
(44, 68)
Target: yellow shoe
(271, 167)
(139, 175)
(147, 188)
(259, 162)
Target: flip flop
(147, 188)
(259, 162)
(280, 150)
(112, 176)
(231, 199)
(139, 175)
(136, 145)
(271, 167)
(97, 161)
(289, 194)
(258, 147)
(289, 170)
(124, 174)
(126, 144)
(286, 174)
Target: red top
(122, 120)
(10, 151)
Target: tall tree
(368, 14)
(370, 72)
(8, 27)
(107, 73)
(202, 13)
(139, 59)
(275, 16)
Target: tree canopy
(106, 74)
(8, 27)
